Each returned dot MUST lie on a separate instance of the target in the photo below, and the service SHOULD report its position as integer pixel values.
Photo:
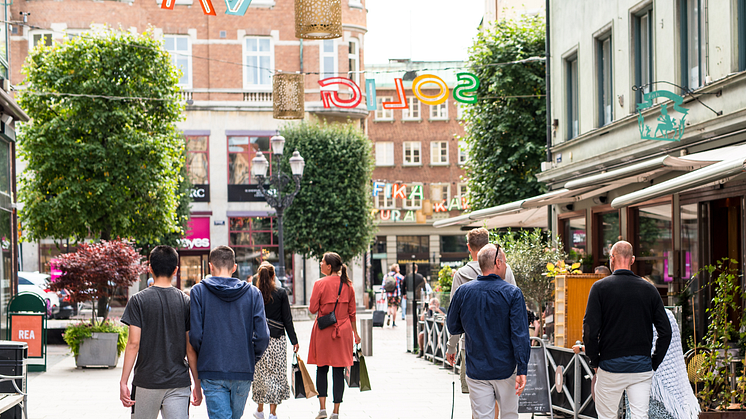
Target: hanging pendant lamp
(288, 96)
(318, 19)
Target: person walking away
(476, 239)
(271, 375)
(229, 333)
(158, 320)
(492, 315)
(403, 292)
(417, 283)
(392, 286)
(332, 346)
(603, 270)
(621, 312)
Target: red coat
(332, 346)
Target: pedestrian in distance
(431, 311)
(332, 346)
(271, 375)
(158, 320)
(621, 312)
(416, 281)
(603, 270)
(492, 315)
(229, 333)
(392, 284)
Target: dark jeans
(338, 380)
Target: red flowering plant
(96, 270)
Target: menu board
(535, 397)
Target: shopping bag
(364, 378)
(352, 373)
(302, 384)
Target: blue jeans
(403, 308)
(225, 399)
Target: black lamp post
(276, 194)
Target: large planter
(726, 414)
(100, 350)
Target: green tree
(103, 154)
(332, 211)
(506, 128)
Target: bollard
(366, 336)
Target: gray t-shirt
(162, 314)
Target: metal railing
(570, 377)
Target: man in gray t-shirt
(158, 320)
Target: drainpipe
(301, 63)
(548, 83)
(304, 258)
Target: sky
(421, 30)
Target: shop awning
(718, 172)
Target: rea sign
(28, 329)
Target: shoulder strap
(338, 294)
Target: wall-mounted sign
(200, 193)
(198, 234)
(668, 127)
(245, 193)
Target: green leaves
(506, 135)
(96, 166)
(332, 211)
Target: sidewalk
(404, 387)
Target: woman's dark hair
(335, 262)
(266, 281)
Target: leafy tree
(505, 133)
(332, 211)
(103, 153)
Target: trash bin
(13, 356)
(366, 336)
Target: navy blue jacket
(228, 328)
(492, 313)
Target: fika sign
(669, 128)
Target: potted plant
(94, 272)
(443, 289)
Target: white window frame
(382, 202)
(439, 112)
(245, 53)
(444, 187)
(387, 149)
(355, 4)
(435, 150)
(188, 53)
(38, 32)
(353, 73)
(463, 189)
(407, 114)
(412, 204)
(324, 72)
(409, 147)
(460, 111)
(383, 114)
(463, 152)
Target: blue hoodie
(228, 328)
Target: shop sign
(200, 193)
(28, 328)
(245, 193)
(669, 127)
(198, 234)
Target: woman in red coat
(332, 346)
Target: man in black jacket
(618, 335)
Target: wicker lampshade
(318, 19)
(427, 207)
(420, 217)
(288, 96)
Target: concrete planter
(100, 350)
(725, 414)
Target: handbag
(275, 326)
(352, 373)
(331, 318)
(302, 384)
(364, 378)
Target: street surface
(403, 387)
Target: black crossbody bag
(331, 318)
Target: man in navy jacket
(492, 314)
(229, 332)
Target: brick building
(417, 147)
(227, 63)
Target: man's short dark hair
(602, 270)
(478, 238)
(223, 257)
(163, 261)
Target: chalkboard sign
(535, 397)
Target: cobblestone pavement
(403, 387)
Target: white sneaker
(271, 416)
(322, 414)
(259, 415)
(334, 416)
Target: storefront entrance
(192, 269)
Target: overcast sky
(421, 30)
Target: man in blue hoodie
(229, 333)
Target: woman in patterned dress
(271, 376)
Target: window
(643, 52)
(440, 192)
(607, 233)
(573, 235)
(571, 93)
(241, 150)
(416, 202)
(413, 245)
(463, 190)
(40, 37)
(384, 154)
(691, 39)
(259, 63)
(383, 114)
(439, 152)
(463, 152)
(412, 153)
(197, 159)
(439, 111)
(741, 28)
(328, 59)
(181, 57)
(654, 233)
(412, 113)
(383, 202)
(605, 81)
(453, 244)
(254, 241)
(353, 57)
(460, 107)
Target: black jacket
(619, 318)
(278, 313)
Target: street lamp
(275, 194)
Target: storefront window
(413, 244)
(608, 234)
(689, 241)
(6, 267)
(573, 237)
(254, 240)
(192, 269)
(453, 244)
(198, 160)
(240, 152)
(654, 253)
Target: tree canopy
(506, 128)
(102, 150)
(332, 211)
